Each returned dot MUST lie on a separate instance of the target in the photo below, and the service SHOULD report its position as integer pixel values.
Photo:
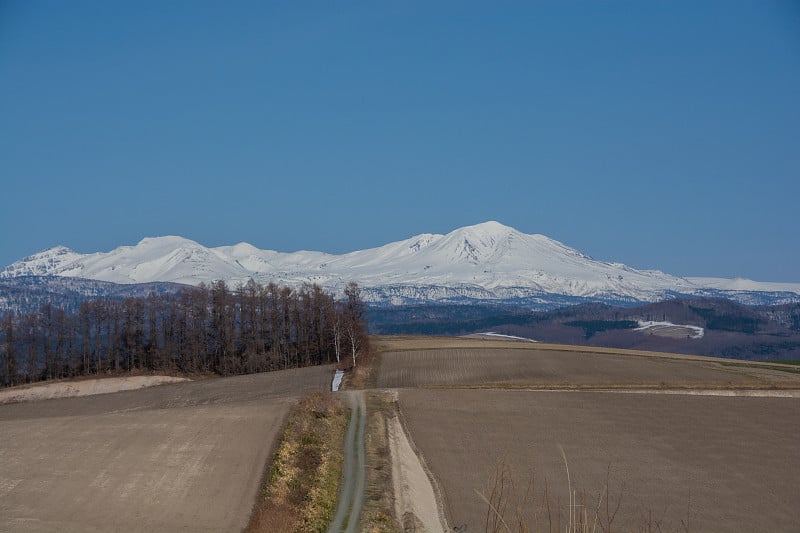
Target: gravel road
(351, 496)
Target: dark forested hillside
(27, 294)
(729, 329)
(251, 328)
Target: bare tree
(338, 332)
(10, 362)
(354, 309)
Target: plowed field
(730, 461)
(187, 456)
(538, 367)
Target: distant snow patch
(503, 336)
(668, 329)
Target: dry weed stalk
(509, 512)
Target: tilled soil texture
(722, 463)
(187, 456)
(542, 368)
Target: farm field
(186, 456)
(680, 436)
(544, 367)
(725, 458)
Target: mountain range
(485, 262)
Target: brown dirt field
(732, 460)
(187, 456)
(544, 368)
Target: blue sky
(660, 134)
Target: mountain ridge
(487, 261)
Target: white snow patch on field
(503, 336)
(337, 380)
(664, 327)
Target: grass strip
(766, 367)
(302, 485)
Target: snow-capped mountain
(487, 261)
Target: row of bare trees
(252, 328)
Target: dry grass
(301, 493)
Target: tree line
(208, 329)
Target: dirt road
(351, 495)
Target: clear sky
(660, 134)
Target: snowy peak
(173, 241)
(487, 233)
(479, 243)
(243, 249)
(46, 262)
(502, 248)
